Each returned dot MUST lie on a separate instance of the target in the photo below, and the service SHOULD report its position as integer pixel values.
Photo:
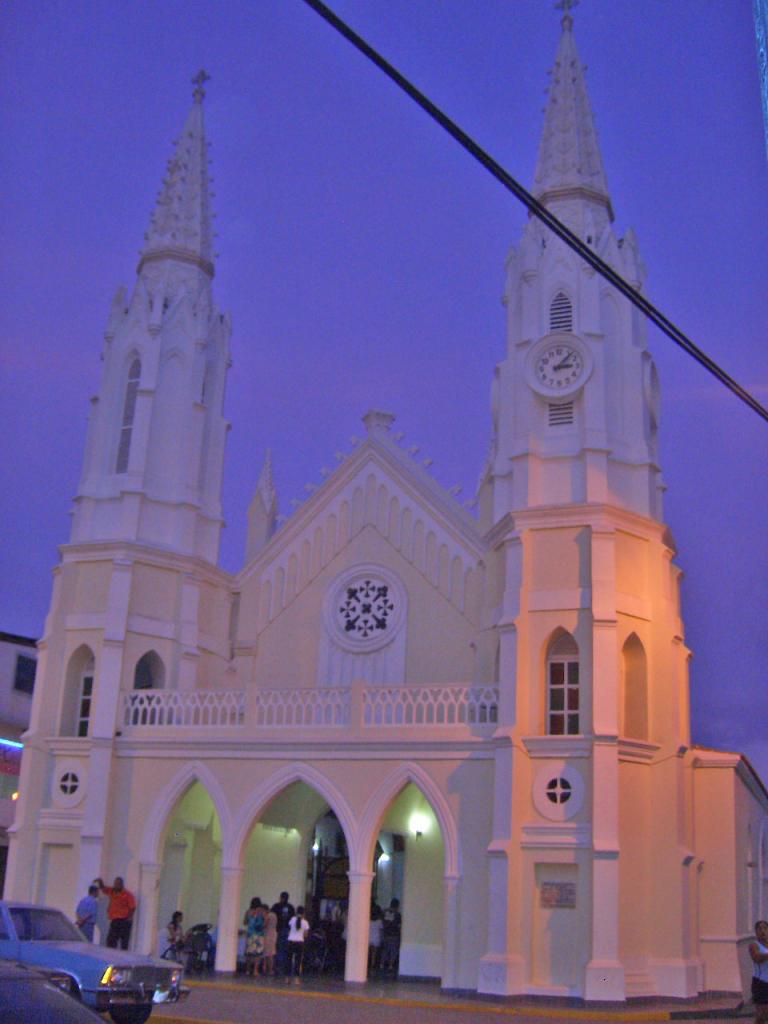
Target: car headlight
(116, 975)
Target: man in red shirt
(122, 907)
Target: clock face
(559, 367)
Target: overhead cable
(539, 210)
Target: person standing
(122, 907)
(254, 921)
(86, 911)
(391, 927)
(374, 937)
(270, 943)
(298, 926)
(758, 951)
(284, 911)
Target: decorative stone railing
(430, 705)
(187, 709)
(320, 706)
(356, 706)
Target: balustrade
(317, 707)
(193, 708)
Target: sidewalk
(430, 997)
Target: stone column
(451, 931)
(229, 918)
(145, 923)
(358, 923)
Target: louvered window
(561, 313)
(561, 414)
(129, 411)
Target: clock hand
(565, 365)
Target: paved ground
(329, 1001)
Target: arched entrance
(190, 862)
(408, 866)
(298, 845)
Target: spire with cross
(180, 226)
(202, 77)
(566, 6)
(569, 163)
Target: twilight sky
(362, 254)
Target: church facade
(485, 715)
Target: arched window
(635, 682)
(563, 686)
(149, 673)
(129, 411)
(561, 313)
(86, 701)
(78, 693)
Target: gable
(370, 492)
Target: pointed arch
(79, 691)
(130, 394)
(379, 802)
(634, 678)
(150, 849)
(234, 846)
(562, 713)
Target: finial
(566, 7)
(201, 78)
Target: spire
(262, 512)
(265, 487)
(180, 227)
(569, 163)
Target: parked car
(114, 981)
(29, 995)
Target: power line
(539, 210)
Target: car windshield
(40, 925)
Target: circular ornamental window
(68, 783)
(366, 608)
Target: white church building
(486, 716)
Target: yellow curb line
(560, 1013)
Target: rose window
(365, 608)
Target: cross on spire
(202, 77)
(566, 6)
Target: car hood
(63, 954)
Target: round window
(365, 608)
(69, 783)
(558, 790)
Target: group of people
(120, 911)
(275, 937)
(384, 938)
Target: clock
(558, 365)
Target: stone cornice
(133, 551)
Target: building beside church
(486, 716)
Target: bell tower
(592, 662)
(155, 449)
(575, 401)
(139, 575)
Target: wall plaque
(558, 894)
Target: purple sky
(362, 254)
